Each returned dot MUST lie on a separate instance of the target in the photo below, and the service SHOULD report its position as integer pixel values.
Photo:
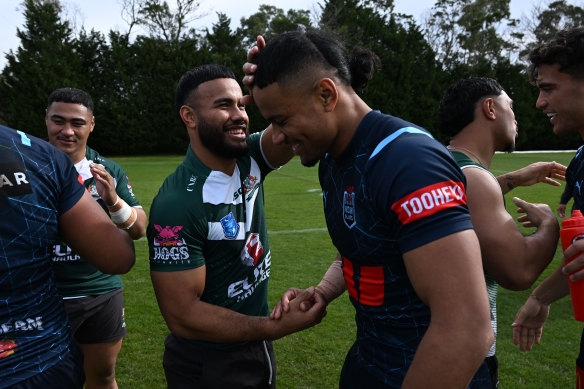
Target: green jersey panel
(75, 276)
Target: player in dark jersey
(41, 202)
(209, 252)
(478, 116)
(574, 182)
(557, 68)
(93, 300)
(395, 208)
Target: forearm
(540, 250)
(138, 229)
(333, 282)
(553, 288)
(507, 182)
(212, 323)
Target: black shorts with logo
(97, 319)
(187, 365)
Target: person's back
(37, 184)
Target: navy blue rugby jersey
(392, 190)
(38, 183)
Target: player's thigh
(101, 357)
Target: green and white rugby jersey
(75, 277)
(204, 217)
(465, 162)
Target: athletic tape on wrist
(122, 215)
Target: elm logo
(429, 200)
(13, 180)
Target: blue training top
(392, 190)
(38, 183)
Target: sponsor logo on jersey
(7, 347)
(240, 290)
(230, 226)
(252, 250)
(349, 207)
(63, 253)
(248, 187)
(429, 200)
(191, 184)
(28, 324)
(13, 180)
(168, 244)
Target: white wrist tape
(123, 214)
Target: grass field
(301, 252)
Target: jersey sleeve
(176, 236)
(256, 152)
(123, 187)
(69, 180)
(420, 190)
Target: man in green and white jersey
(478, 115)
(93, 300)
(209, 252)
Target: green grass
(301, 252)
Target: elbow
(518, 282)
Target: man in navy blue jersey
(42, 201)
(395, 207)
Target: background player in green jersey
(209, 252)
(93, 300)
(478, 116)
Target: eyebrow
(81, 120)
(225, 100)
(544, 84)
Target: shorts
(188, 365)
(580, 365)
(97, 319)
(487, 376)
(67, 374)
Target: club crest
(230, 226)
(349, 207)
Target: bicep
(447, 272)
(498, 234)
(86, 227)
(176, 290)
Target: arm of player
(513, 260)
(88, 230)
(532, 174)
(529, 320)
(105, 185)
(447, 275)
(329, 288)
(276, 151)
(179, 298)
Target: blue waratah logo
(230, 226)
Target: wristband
(121, 212)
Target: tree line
(132, 77)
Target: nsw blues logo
(349, 207)
(230, 226)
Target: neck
(352, 110)
(212, 160)
(472, 154)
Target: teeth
(551, 115)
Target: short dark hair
(71, 95)
(296, 53)
(457, 107)
(191, 80)
(565, 49)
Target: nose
(540, 103)
(67, 129)
(238, 115)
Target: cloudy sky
(105, 15)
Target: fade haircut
(191, 80)
(566, 49)
(457, 107)
(294, 54)
(71, 95)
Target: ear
(327, 93)
(488, 108)
(187, 114)
(92, 125)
